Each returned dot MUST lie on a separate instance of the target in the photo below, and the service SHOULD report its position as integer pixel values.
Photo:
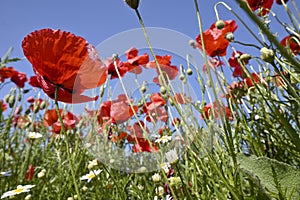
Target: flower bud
(267, 54)
(189, 71)
(143, 89)
(134, 4)
(220, 24)
(156, 177)
(6, 98)
(11, 101)
(229, 36)
(163, 90)
(43, 105)
(245, 57)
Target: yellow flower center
(19, 190)
(90, 176)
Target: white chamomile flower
(92, 163)
(92, 174)
(20, 189)
(156, 177)
(174, 180)
(172, 156)
(8, 173)
(164, 139)
(165, 167)
(34, 135)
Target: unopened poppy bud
(267, 54)
(181, 77)
(220, 24)
(134, 4)
(143, 89)
(115, 56)
(36, 109)
(43, 105)
(6, 98)
(189, 71)
(163, 90)
(11, 101)
(192, 43)
(229, 36)
(245, 57)
(19, 97)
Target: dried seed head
(220, 24)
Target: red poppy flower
(291, 43)
(63, 59)
(63, 94)
(6, 72)
(51, 119)
(263, 5)
(181, 98)
(116, 111)
(218, 110)
(233, 62)
(144, 145)
(214, 38)
(3, 106)
(19, 78)
(122, 69)
(279, 1)
(212, 63)
(169, 71)
(137, 130)
(29, 173)
(155, 109)
(135, 61)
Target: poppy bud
(6, 98)
(19, 97)
(229, 36)
(189, 71)
(134, 4)
(143, 89)
(163, 90)
(220, 24)
(102, 91)
(36, 109)
(245, 57)
(43, 105)
(192, 43)
(11, 101)
(267, 54)
(181, 77)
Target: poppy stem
(269, 35)
(63, 130)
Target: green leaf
(274, 176)
(5, 58)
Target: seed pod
(43, 105)
(6, 98)
(11, 101)
(143, 89)
(134, 4)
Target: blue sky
(97, 20)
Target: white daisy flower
(172, 156)
(92, 163)
(165, 167)
(164, 139)
(34, 135)
(8, 173)
(156, 177)
(20, 189)
(92, 174)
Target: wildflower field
(220, 121)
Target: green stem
(270, 36)
(63, 130)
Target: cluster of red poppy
(135, 64)
(263, 6)
(19, 78)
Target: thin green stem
(270, 36)
(63, 130)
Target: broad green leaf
(269, 171)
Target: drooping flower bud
(220, 24)
(229, 36)
(267, 54)
(134, 4)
